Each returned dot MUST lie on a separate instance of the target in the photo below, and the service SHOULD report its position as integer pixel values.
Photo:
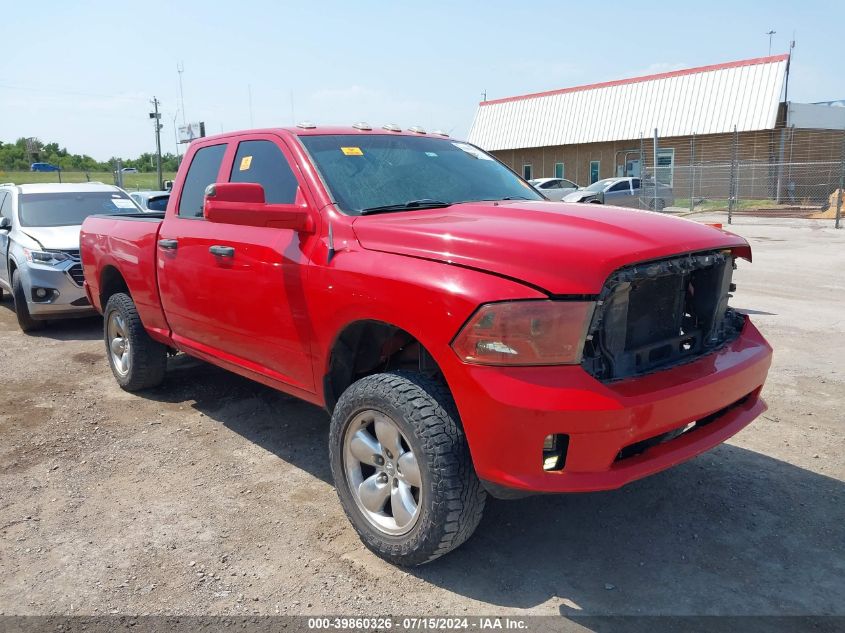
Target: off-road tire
(453, 497)
(25, 320)
(148, 358)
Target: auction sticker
(246, 162)
(352, 151)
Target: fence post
(836, 224)
(654, 198)
(641, 200)
(732, 189)
(692, 174)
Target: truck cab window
(202, 172)
(262, 162)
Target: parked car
(554, 188)
(625, 192)
(39, 244)
(151, 200)
(466, 338)
(129, 170)
(44, 167)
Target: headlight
(525, 333)
(49, 258)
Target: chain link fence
(129, 180)
(797, 174)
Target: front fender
(429, 300)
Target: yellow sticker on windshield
(352, 151)
(246, 161)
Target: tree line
(15, 157)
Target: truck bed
(124, 242)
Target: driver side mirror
(5, 224)
(243, 203)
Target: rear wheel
(25, 320)
(136, 360)
(402, 467)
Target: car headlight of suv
(48, 258)
(532, 332)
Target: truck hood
(557, 247)
(54, 237)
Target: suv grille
(76, 274)
(661, 313)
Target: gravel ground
(212, 494)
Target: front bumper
(66, 298)
(507, 412)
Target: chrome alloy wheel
(118, 343)
(382, 472)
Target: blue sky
(82, 73)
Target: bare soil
(212, 494)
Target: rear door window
(263, 162)
(203, 171)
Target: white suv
(39, 246)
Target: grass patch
(739, 205)
(131, 182)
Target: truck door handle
(222, 251)
(168, 245)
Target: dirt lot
(212, 494)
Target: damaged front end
(662, 313)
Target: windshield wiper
(499, 199)
(425, 203)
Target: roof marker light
(391, 127)
(440, 133)
(306, 125)
(362, 126)
(417, 129)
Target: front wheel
(136, 360)
(25, 320)
(402, 468)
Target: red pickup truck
(467, 335)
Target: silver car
(151, 200)
(553, 188)
(625, 192)
(39, 246)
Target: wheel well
(370, 347)
(111, 282)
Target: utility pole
(180, 68)
(156, 121)
(770, 33)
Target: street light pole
(156, 120)
(175, 136)
(180, 68)
(770, 33)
